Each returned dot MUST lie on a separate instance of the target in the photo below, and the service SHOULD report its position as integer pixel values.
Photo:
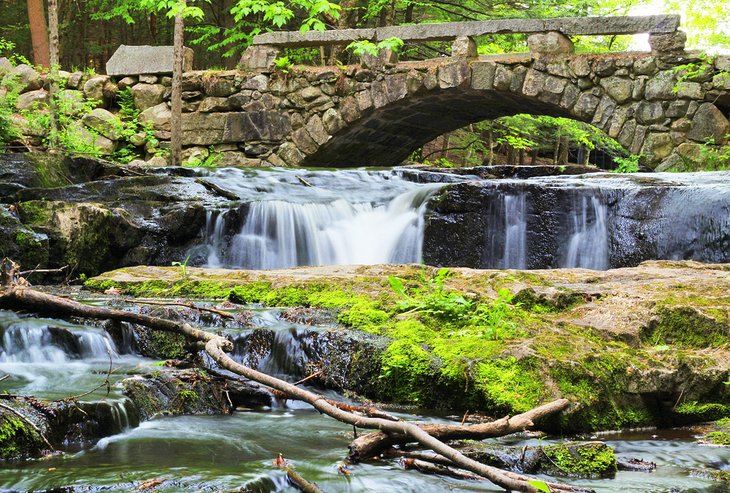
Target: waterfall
(380, 221)
(515, 235)
(587, 244)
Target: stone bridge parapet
(358, 116)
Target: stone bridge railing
(547, 36)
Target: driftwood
(14, 295)
(372, 444)
(192, 306)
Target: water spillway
(597, 221)
(291, 218)
(287, 218)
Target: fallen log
(372, 444)
(15, 295)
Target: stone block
(332, 121)
(259, 58)
(619, 88)
(661, 86)
(138, 60)
(147, 95)
(709, 123)
(551, 43)
(290, 154)
(464, 47)
(585, 106)
(104, 123)
(664, 43)
(649, 112)
(453, 75)
(482, 75)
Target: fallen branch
(372, 444)
(441, 470)
(192, 306)
(217, 189)
(13, 296)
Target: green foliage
(183, 267)
(714, 157)
(362, 47)
(491, 319)
(283, 64)
(541, 486)
(629, 164)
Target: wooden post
(176, 98)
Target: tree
(39, 33)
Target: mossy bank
(632, 347)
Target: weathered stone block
(332, 121)
(136, 60)
(534, 83)
(213, 104)
(662, 43)
(570, 97)
(690, 90)
(619, 88)
(290, 154)
(649, 112)
(32, 99)
(349, 109)
(482, 75)
(709, 123)
(258, 82)
(147, 95)
(453, 75)
(657, 146)
(259, 57)
(551, 43)
(464, 47)
(586, 106)
(303, 141)
(502, 78)
(94, 88)
(316, 130)
(661, 86)
(104, 123)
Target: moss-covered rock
(18, 439)
(498, 355)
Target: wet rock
(173, 392)
(574, 459)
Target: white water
(588, 242)
(515, 232)
(352, 217)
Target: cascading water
(347, 217)
(596, 221)
(588, 242)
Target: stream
(235, 453)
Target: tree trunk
(176, 98)
(39, 33)
(53, 34)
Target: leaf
(397, 285)
(540, 485)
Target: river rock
(174, 392)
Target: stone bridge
(379, 112)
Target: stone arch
(383, 124)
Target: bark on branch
(15, 296)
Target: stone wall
(377, 115)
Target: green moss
(511, 385)
(586, 460)
(686, 327)
(37, 212)
(166, 345)
(707, 411)
(34, 247)
(718, 438)
(529, 299)
(50, 172)
(364, 316)
(17, 439)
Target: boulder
(94, 88)
(32, 100)
(25, 76)
(709, 123)
(663, 43)
(159, 116)
(148, 95)
(79, 131)
(104, 123)
(71, 102)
